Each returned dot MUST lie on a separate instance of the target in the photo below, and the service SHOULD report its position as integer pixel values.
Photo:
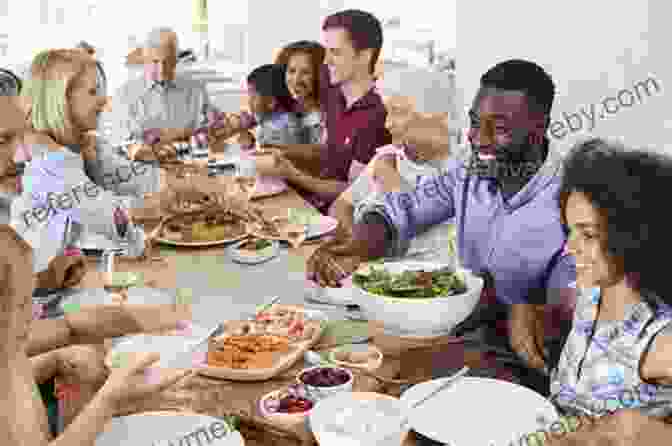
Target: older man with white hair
(173, 105)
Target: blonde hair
(47, 92)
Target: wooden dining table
(217, 397)
(220, 290)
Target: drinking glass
(246, 176)
(123, 228)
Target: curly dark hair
(626, 187)
(315, 51)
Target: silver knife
(443, 386)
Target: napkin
(64, 271)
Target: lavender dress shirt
(519, 241)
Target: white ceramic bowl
(426, 318)
(330, 411)
(317, 393)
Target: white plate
(270, 253)
(169, 347)
(162, 429)
(504, 410)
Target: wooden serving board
(282, 363)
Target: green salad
(256, 245)
(411, 284)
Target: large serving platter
(282, 362)
(243, 233)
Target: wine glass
(122, 222)
(246, 176)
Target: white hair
(156, 38)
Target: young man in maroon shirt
(353, 112)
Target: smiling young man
(354, 112)
(503, 199)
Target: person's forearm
(94, 323)
(86, 427)
(46, 335)
(302, 152)
(329, 190)
(24, 418)
(45, 365)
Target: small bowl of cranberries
(288, 406)
(324, 381)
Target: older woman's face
(586, 238)
(300, 75)
(85, 103)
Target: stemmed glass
(122, 222)
(246, 176)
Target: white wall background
(592, 49)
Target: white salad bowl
(419, 317)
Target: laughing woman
(618, 353)
(64, 102)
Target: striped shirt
(140, 104)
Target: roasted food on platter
(204, 227)
(247, 351)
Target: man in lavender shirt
(503, 197)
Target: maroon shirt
(353, 134)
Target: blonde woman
(64, 103)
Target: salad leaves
(411, 284)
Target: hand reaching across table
(336, 259)
(278, 166)
(134, 380)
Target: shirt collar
(370, 99)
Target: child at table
(271, 109)
(617, 354)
